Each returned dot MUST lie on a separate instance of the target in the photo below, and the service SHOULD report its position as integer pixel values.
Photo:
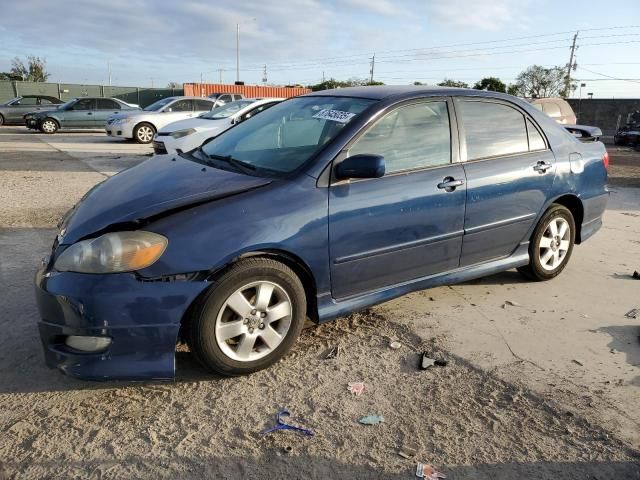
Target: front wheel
(551, 244)
(49, 126)
(144, 133)
(249, 319)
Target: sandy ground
(511, 403)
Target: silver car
(13, 111)
(142, 125)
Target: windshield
(285, 136)
(155, 106)
(227, 110)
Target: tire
(144, 132)
(268, 313)
(1, 120)
(556, 228)
(49, 126)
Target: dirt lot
(546, 388)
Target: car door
(202, 106)
(509, 169)
(407, 224)
(106, 108)
(20, 107)
(178, 110)
(80, 113)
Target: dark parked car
(322, 205)
(13, 111)
(85, 112)
(629, 135)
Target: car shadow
(625, 339)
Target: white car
(141, 125)
(185, 135)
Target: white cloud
(380, 7)
(488, 15)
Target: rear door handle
(449, 184)
(542, 167)
(89, 113)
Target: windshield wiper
(242, 165)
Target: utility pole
(220, 70)
(237, 52)
(373, 64)
(567, 85)
(264, 74)
(323, 76)
(109, 68)
(201, 85)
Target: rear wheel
(551, 244)
(143, 133)
(249, 319)
(49, 126)
(1, 120)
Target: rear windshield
(284, 137)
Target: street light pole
(237, 52)
(580, 99)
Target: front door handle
(89, 113)
(449, 184)
(542, 167)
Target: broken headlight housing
(113, 253)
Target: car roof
(401, 91)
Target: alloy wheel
(554, 243)
(253, 321)
(48, 126)
(145, 134)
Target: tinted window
(181, 106)
(237, 97)
(536, 142)
(27, 101)
(85, 104)
(224, 98)
(492, 129)
(415, 136)
(227, 110)
(157, 106)
(203, 105)
(285, 136)
(108, 104)
(45, 101)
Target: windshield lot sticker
(334, 115)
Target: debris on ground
(578, 362)
(428, 472)
(636, 275)
(395, 345)
(333, 352)
(288, 449)
(632, 313)
(282, 425)
(407, 452)
(356, 388)
(426, 361)
(511, 303)
(371, 420)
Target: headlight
(113, 253)
(182, 133)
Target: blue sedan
(322, 205)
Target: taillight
(605, 160)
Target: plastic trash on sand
(282, 425)
(356, 388)
(428, 472)
(371, 420)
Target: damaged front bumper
(142, 319)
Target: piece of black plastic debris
(633, 313)
(441, 363)
(333, 352)
(636, 275)
(426, 362)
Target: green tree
(453, 83)
(512, 89)
(540, 82)
(491, 84)
(34, 71)
(333, 83)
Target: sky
(153, 42)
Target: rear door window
(492, 129)
(202, 105)
(85, 104)
(107, 104)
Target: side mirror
(361, 166)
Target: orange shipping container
(249, 91)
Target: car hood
(162, 184)
(197, 123)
